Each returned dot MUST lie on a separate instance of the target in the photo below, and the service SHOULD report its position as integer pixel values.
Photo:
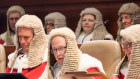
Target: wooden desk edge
(86, 74)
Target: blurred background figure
(13, 15)
(91, 27)
(54, 20)
(64, 55)
(127, 14)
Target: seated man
(129, 67)
(30, 57)
(54, 20)
(13, 15)
(64, 55)
(127, 17)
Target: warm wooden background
(70, 8)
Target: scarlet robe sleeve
(2, 42)
(30, 73)
(36, 72)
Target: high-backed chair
(2, 59)
(8, 50)
(107, 51)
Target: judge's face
(58, 45)
(13, 18)
(88, 22)
(25, 36)
(127, 47)
(126, 20)
(49, 26)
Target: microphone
(106, 21)
(91, 32)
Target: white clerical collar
(56, 70)
(124, 68)
(22, 52)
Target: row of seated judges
(50, 52)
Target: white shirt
(21, 61)
(124, 68)
(84, 37)
(56, 70)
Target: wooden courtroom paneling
(70, 8)
(8, 50)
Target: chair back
(107, 51)
(8, 50)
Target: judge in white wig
(30, 56)
(129, 67)
(64, 55)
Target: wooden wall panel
(70, 8)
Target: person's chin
(25, 49)
(61, 60)
(126, 25)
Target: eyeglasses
(126, 45)
(61, 49)
(17, 18)
(49, 24)
(126, 17)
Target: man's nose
(123, 20)
(14, 20)
(59, 52)
(48, 26)
(22, 40)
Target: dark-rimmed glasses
(61, 49)
(126, 45)
(49, 24)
